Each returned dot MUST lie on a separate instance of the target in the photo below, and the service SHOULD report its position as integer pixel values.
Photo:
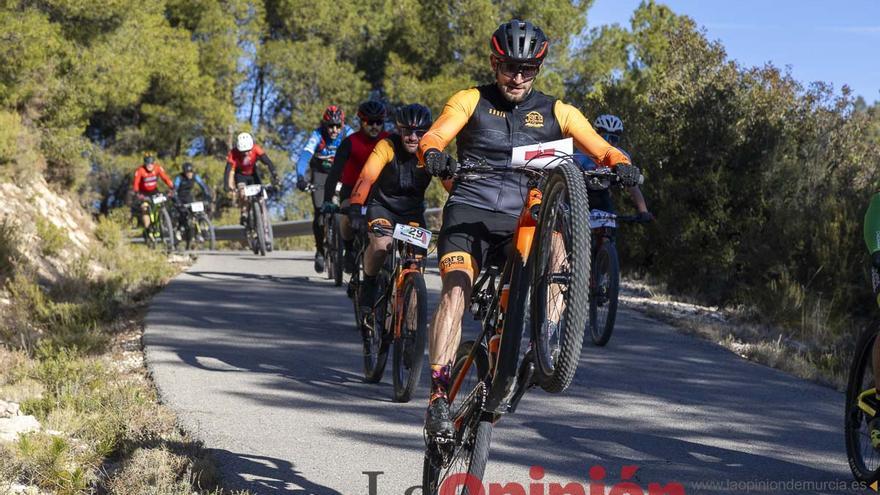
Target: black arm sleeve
(339, 160)
(226, 175)
(265, 159)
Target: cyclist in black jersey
(392, 186)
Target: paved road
(259, 358)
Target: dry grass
(70, 354)
(741, 332)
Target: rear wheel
(864, 460)
(409, 349)
(560, 274)
(375, 334)
(603, 293)
(469, 451)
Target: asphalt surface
(260, 359)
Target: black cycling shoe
(319, 263)
(438, 424)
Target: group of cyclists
(382, 178)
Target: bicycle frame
(523, 236)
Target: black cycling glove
(629, 175)
(440, 164)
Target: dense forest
(758, 181)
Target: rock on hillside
(49, 228)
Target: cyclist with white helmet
(610, 128)
(241, 165)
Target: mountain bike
(195, 226)
(257, 229)
(547, 273)
(400, 315)
(161, 229)
(605, 273)
(862, 404)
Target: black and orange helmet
(333, 115)
(519, 41)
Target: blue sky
(835, 42)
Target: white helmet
(244, 142)
(609, 123)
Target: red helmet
(333, 115)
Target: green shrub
(9, 247)
(109, 232)
(52, 237)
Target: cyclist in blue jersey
(313, 165)
(610, 128)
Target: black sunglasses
(334, 126)
(406, 131)
(375, 122)
(511, 69)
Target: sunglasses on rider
(511, 69)
(613, 139)
(406, 131)
(375, 122)
(334, 126)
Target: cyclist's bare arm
(638, 199)
(576, 126)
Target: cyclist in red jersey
(146, 183)
(350, 158)
(241, 167)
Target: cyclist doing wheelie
(313, 165)
(184, 185)
(241, 168)
(480, 216)
(347, 165)
(398, 191)
(146, 184)
(610, 128)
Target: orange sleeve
(455, 115)
(165, 177)
(381, 155)
(577, 127)
(137, 180)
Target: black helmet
(519, 41)
(414, 115)
(187, 167)
(149, 157)
(371, 110)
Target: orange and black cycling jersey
(394, 177)
(146, 182)
(487, 126)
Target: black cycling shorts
(246, 179)
(472, 237)
(600, 200)
(377, 213)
